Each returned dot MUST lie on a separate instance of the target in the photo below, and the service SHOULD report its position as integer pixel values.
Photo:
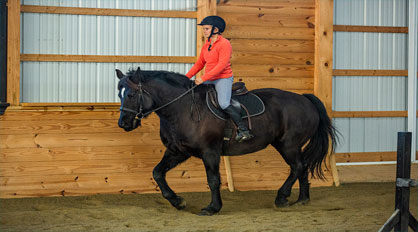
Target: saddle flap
(213, 97)
(250, 104)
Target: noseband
(139, 114)
(139, 92)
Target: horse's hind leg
(293, 156)
(303, 187)
(169, 161)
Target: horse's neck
(163, 95)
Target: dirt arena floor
(350, 207)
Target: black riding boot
(243, 133)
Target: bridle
(139, 114)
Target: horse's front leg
(169, 161)
(211, 161)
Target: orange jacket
(217, 60)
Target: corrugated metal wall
(98, 35)
(353, 50)
(182, 5)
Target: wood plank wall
(273, 46)
(80, 150)
(272, 42)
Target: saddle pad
(252, 102)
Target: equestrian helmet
(215, 21)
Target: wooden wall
(272, 41)
(66, 150)
(273, 46)
(82, 152)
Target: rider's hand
(198, 81)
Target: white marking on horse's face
(122, 92)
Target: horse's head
(135, 101)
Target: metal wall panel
(359, 50)
(359, 93)
(79, 82)
(371, 12)
(182, 5)
(354, 50)
(98, 35)
(107, 35)
(368, 134)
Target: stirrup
(244, 135)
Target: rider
(216, 55)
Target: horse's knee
(214, 181)
(157, 174)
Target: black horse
(290, 120)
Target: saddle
(248, 103)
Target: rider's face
(207, 29)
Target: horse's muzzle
(126, 126)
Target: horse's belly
(246, 147)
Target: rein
(140, 115)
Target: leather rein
(139, 114)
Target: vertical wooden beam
(13, 52)
(204, 8)
(323, 51)
(228, 171)
(323, 62)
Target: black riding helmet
(215, 21)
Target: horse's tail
(319, 144)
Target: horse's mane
(171, 78)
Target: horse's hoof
(180, 203)
(302, 202)
(204, 213)
(207, 212)
(281, 204)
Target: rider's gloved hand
(198, 81)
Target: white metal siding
(79, 82)
(369, 134)
(371, 12)
(181, 5)
(107, 35)
(98, 35)
(353, 50)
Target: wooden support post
(13, 52)
(229, 178)
(334, 170)
(323, 62)
(204, 8)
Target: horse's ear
(119, 74)
(138, 72)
